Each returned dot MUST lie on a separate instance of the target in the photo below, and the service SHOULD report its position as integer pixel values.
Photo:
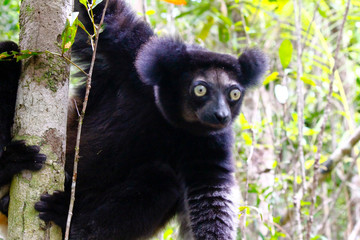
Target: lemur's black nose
(222, 117)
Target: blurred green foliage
(9, 20)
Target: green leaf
(243, 122)
(224, 35)
(84, 2)
(242, 208)
(322, 12)
(5, 56)
(247, 138)
(285, 52)
(276, 219)
(150, 12)
(294, 116)
(337, 96)
(353, 18)
(316, 237)
(308, 81)
(206, 28)
(196, 12)
(26, 54)
(274, 164)
(80, 24)
(272, 77)
(6, 2)
(95, 3)
(305, 203)
(310, 132)
(69, 33)
(309, 164)
(227, 21)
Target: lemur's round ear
(254, 64)
(8, 46)
(161, 59)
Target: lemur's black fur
(9, 75)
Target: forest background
(297, 160)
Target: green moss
(51, 83)
(28, 187)
(30, 140)
(54, 73)
(29, 9)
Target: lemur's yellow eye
(235, 94)
(200, 90)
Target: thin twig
(309, 27)
(268, 118)
(287, 235)
(252, 148)
(81, 118)
(349, 210)
(76, 107)
(69, 61)
(252, 137)
(144, 8)
(325, 209)
(91, 16)
(297, 208)
(355, 232)
(251, 22)
(343, 150)
(298, 194)
(326, 115)
(248, 41)
(300, 92)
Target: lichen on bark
(30, 185)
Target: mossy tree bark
(41, 113)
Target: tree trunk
(41, 113)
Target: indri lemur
(157, 136)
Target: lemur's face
(212, 99)
(202, 101)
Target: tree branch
(300, 111)
(337, 194)
(343, 150)
(81, 118)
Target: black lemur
(157, 137)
